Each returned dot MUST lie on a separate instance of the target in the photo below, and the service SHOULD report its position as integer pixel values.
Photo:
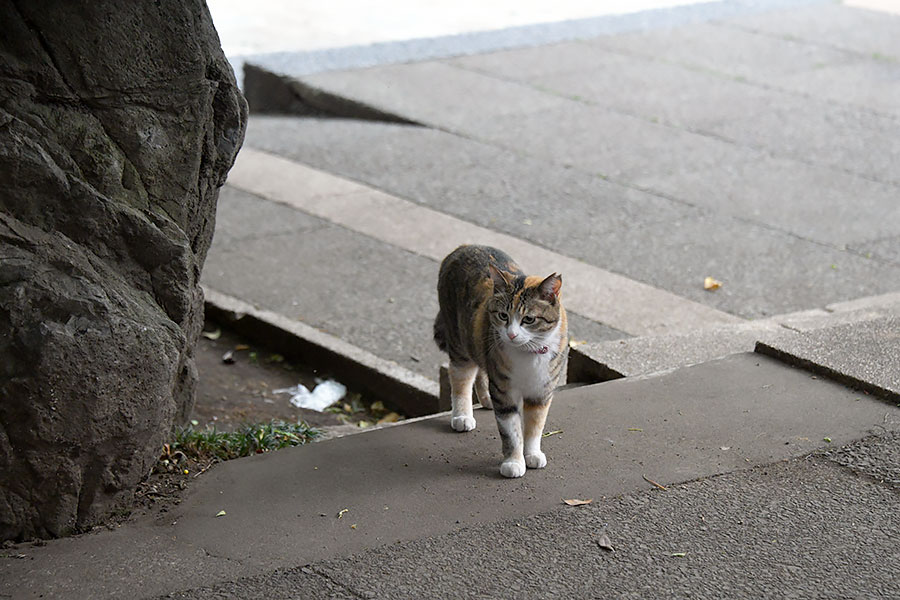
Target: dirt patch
(237, 384)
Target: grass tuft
(206, 444)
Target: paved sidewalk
(759, 149)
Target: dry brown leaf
(391, 417)
(604, 542)
(710, 284)
(577, 502)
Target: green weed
(205, 444)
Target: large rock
(118, 123)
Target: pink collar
(542, 350)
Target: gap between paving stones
(602, 296)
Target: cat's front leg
(535, 415)
(508, 412)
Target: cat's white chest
(530, 372)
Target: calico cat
(506, 334)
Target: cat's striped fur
(505, 334)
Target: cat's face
(525, 311)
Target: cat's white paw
(512, 468)
(462, 423)
(537, 460)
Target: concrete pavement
(642, 162)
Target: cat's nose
(511, 335)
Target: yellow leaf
(221, 513)
(549, 433)
(711, 284)
(577, 502)
(391, 417)
(341, 514)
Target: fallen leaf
(228, 357)
(340, 515)
(364, 424)
(635, 429)
(574, 343)
(391, 417)
(549, 433)
(679, 554)
(604, 542)
(221, 513)
(240, 347)
(710, 284)
(827, 439)
(577, 502)
(377, 407)
(353, 526)
(212, 335)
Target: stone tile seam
(625, 284)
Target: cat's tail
(440, 332)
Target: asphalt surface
(757, 147)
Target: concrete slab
(872, 83)
(726, 51)
(242, 216)
(843, 138)
(598, 141)
(660, 91)
(809, 202)
(765, 272)
(862, 31)
(435, 93)
(422, 479)
(866, 355)
(655, 354)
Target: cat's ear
(550, 287)
(500, 279)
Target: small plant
(205, 444)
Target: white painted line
(630, 306)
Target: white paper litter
(324, 395)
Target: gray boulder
(119, 121)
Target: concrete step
(642, 355)
(409, 482)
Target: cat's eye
(503, 316)
(527, 320)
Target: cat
(506, 335)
